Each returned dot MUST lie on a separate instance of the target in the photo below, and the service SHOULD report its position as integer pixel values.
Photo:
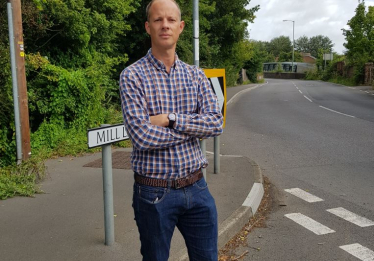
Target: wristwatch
(172, 117)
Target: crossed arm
(151, 132)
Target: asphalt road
(313, 137)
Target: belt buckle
(177, 185)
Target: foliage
(21, 179)
(327, 70)
(287, 57)
(278, 45)
(72, 65)
(253, 65)
(313, 44)
(360, 39)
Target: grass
(22, 179)
(343, 81)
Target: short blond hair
(151, 3)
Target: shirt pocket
(187, 97)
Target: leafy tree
(320, 42)
(360, 39)
(279, 44)
(254, 64)
(302, 44)
(313, 44)
(287, 57)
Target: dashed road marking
(307, 98)
(359, 251)
(303, 195)
(337, 112)
(301, 92)
(310, 224)
(351, 217)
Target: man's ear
(146, 25)
(181, 27)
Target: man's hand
(160, 120)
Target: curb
(233, 224)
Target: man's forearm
(160, 120)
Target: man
(168, 106)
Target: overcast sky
(312, 17)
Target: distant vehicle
(287, 67)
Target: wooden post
(21, 78)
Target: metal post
(14, 84)
(216, 155)
(196, 57)
(196, 32)
(293, 40)
(324, 57)
(108, 192)
(293, 43)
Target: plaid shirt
(146, 90)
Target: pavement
(66, 222)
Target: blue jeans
(192, 209)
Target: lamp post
(293, 40)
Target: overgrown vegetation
(21, 180)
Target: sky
(312, 17)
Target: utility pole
(19, 53)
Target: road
(315, 142)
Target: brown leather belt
(164, 183)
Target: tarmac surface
(67, 221)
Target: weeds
(22, 180)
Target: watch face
(172, 116)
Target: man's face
(164, 24)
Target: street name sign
(106, 135)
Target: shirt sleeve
(143, 134)
(208, 121)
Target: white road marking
(308, 99)
(243, 91)
(310, 224)
(303, 195)
(296, 87)
(301, 92)
(351, 88)
(351, 217)
(337, 112)
(359, 251)
(229, 156)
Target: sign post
(217, 79)
(104, 137)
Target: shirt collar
(160, 65)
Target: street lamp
(293, 40)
